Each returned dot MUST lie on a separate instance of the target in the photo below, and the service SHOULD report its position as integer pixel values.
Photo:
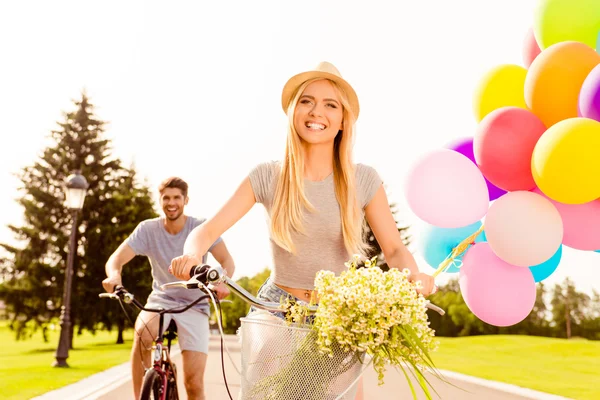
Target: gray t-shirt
(322, 244)
(150, 239)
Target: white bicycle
(268, 344)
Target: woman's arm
(396, 254)
(202, 237)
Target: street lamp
(75, 190)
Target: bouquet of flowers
(361, 311)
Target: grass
(25, 366)
(567, 368)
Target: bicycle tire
(172, 391)
(152, 388)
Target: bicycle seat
(171, 331)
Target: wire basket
(282, 362)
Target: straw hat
(324, 70)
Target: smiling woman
(316, 198)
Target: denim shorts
(269, 291)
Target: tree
(568, 309)
(34, 274)
(375, 247)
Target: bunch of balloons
(531, 171)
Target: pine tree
(375, 247)
(33, 274)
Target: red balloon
(531, 49)
(503, 146)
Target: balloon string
(457, 252)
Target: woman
(316, 198)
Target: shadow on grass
(94, 346)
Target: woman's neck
(318, 162)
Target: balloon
(444, 188)
(567, 20)
(597, 251)
(465, 147)
(435, 244)
(531, 49)
(500, 87)
(555, 78)
(523, 228)
(581, 223)
(589, 96)
(566, 163)
(545, 269)
(496, 292)
(503, 144)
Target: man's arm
(114, 265)
(223, 257)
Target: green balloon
(567, 20)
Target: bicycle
(160, 380)
(255, 330)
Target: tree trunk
(121, 328)
(568, 321)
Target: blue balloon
(436, 244)
(597, 251)
(545, 269)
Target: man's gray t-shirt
(150, 239)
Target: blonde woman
(316, 198)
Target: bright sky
(193, 88)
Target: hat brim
(295, 81)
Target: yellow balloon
(503, 86)
(566, 161)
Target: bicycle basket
(282, 362)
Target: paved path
(394, 388)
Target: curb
(502, 387)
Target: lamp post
(75, 190)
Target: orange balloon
(554, 80)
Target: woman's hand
(427, 283)
(182, 265)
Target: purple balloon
(589, 96)
(465, 147)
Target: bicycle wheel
(152, 387)
(172, 393)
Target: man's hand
(221, 290)
(112, 282)
(182, 265)
(427, 283)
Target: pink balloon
(581, 223)
(523, 228)
(503, 145)
(444, 188)
(531, 49)
(496, 292)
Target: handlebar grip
(198, 269)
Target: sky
(193, 89)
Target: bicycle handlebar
(204, 274)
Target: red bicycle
(160, 380)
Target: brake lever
(192, 283)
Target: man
(161, 240)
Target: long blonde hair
(290, 201)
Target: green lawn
(25, 366)
(569, 368)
